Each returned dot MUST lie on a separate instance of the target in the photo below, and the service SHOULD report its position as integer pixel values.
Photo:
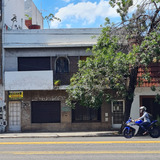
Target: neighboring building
(12, 18)
(32, 15)
(15, 12)
(146, 96)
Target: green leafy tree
(111, 72)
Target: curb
(58, 135)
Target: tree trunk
(129, 99)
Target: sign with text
(15, 95)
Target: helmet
(143, 108)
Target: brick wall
(66, 115)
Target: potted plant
(28, 20)
(57, 82)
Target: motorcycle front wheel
(154, 132)
(128, 133)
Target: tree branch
(153, 24)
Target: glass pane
(62, 65)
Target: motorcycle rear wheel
(154, 132)
(128, 133)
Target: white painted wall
(14, 7)
(29, 80)
(140, 91)
(36, 16)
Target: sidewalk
(59, 134)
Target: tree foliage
(121, 49)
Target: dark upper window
(33, 63)
(62, 65)
(45, 112)
(85, 114)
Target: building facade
(34, 60)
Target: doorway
(15, 116)
(117, 113)
(152, 106)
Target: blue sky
(77, 13)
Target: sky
(77, 13)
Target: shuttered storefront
(45, 112)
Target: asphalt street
(80, 148)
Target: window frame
(46, 60)
(116, 111)
(86, 110)
(68, 63)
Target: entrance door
(117, 113)
(152, 106)
(15, 116)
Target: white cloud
(88, 12)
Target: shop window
(62, 65)
(85, 114)
(33, 63)
(45, 112)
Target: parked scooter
(132, 127)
